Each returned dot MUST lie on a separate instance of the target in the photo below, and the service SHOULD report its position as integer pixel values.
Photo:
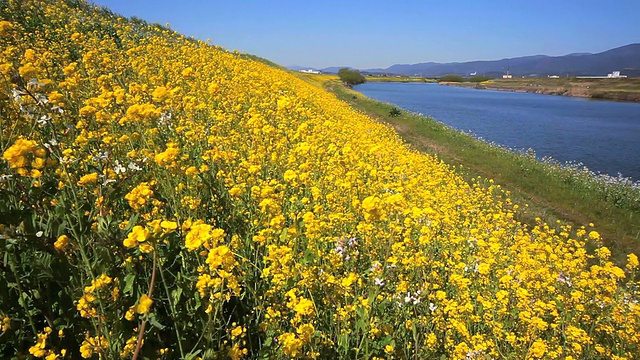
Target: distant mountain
(334, 69)
(405, 69)
(298, 68)
(625, 59)
(329, 70)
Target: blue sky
(369, 34)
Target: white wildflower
(118, 168)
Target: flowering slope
(162, 197)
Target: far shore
(601, 89)
(398, 79)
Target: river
(603, 135)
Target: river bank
(546, 192)
(602, 89)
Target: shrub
(451, 78)
(351, 77)
(395, 112)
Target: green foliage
(351, 77)
(451, 78)
(478, 79)
(458, 78)
(395, 112)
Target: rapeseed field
(163, 198)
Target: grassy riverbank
(605, 89)
(552, 192)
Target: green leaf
(283, 235)
(193, 355)
(128, 284)
(268, 341)
(175, 295)
(153, 321)
(308, 256)
(209, 354)
(386, 341)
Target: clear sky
(371, 34)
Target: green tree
(451, 78)
(351, 77)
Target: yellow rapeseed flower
(18, 155)
(160, 94)
(5, 27)
(139, 196)
(305, 332)
(632, 261)
(88, 179)
(304, 307)
(144, 304)
(237, 331)
(61, 243)
(6, 324)
(93, 345)
(538, 349)
(169, 225)
(291, 345)
(198, 235)
(137, 235)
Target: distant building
(613, 75)
(554, 77)
(616, 75)
(310, 71)
(507, 76)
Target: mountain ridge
(625, 59)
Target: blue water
(603, 135)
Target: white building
(616, 75)
(310, 71)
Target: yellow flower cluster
(6, 324)
(266, 217)
(138, 237)
(168, 157)
(88, 179)
(61, 243)
(93, 345)
(143, 237)
(198, 235)
(144, 304)
(5, 26)
(26, 157)
(40, 350)
(86, 304)
(139, 196)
